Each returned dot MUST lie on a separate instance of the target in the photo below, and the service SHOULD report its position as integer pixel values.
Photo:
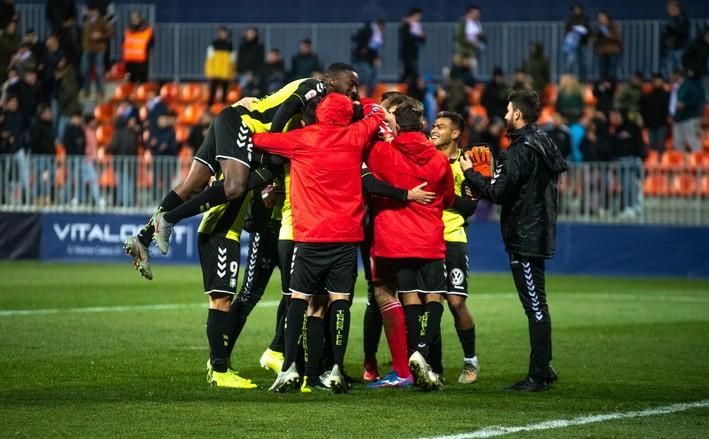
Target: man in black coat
(411, 37)
(525, 184)
(654, 107)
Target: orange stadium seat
(104, 112)
(191, 93)
(705, 119)
(647, 87)
(123, 91)
(699, 159)
(144, 177)
(181, 133)
(478, 110)
(653, 159)
(60, 170)
(672, 159)
(185, 160)
(217, 107)
(107, 175)
(704, 186)
(656, 185)
(104, 134)
(588, 97)
(141, 92)
(170, 91)
(550, 93)
(476, 94)
(190, 114)
(382, 88)
(117, 72)
(684, 185)
(234, 94)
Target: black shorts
(457, 268)
(228, 138)
(285, 259)
(412, 275)
(219, 258)
(323, 268)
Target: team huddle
(314, 173)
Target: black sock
(294, 329)
(315, 340)
(430, 326)
(277, 342)
(413, 326)
(327, 359)
(372, 331)
(339, 330)
(171, 201)
(540, 357)
(238, 313)
(435, 354)
(217, 334)
(212, 196)
(467, 341)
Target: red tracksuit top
(326, 163)
(410, 230)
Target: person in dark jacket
(494, 96)
(125, 143)
(42, 145)
(411, 37)
(9, 43)
(675, 36)
(273, 73)
(655, 111)
(250, 59)
(525, 184)
(578, 29)
(537, 67)
(560, 134)
(367, 44)
(58, 12)
(628, 151)
(687, 112)
(696, 56)
(7, 13)
(305, 62)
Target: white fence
(616, 192)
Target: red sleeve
(448, 187)
(282, 144)
(363, 130)
(375, 159)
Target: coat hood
(335, 109)
(415, 146)
(539, 141)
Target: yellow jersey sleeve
(286, 232)
(453, 222)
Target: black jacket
(676, 32)
(655, 108)
(524, 183)
(42, 137)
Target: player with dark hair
(408, 250)
(445, 134)
(327, 223)
(525, 184)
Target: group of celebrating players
(316, 173)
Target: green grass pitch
(620, 345)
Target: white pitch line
(359, 300)
(496, 430)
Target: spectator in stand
(198, 131)
(461, 70)
(675, 36)
(569, 98)
(628, 151)
(489, 132)
(89, 174)
(305, 62)
(608, 45)
(688, 111)
(67, 94)
(58, 12)
(163, 143)
(74, 141)
(250, 59)
(560, 134)
(42, 147)
(630, 96)
(27, 90)
(50, 61)
(411, 38)
(273, 74)
(220, 64)
(521, 80)
(494, 96)
(470, 40)
(36, 47)
(138, 41)
(7, 13)
(655, 112)
(604, 91)
(70, 44)
(537, 67)
(368, 42)
(106, 9)
(696, 56)
(454, 95)
(596, 147)
(577, 28)
(124, 144)
(24, 60)
(9, 44)
(156, 108)
(95, 37)
(13, 134)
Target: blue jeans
(657, 138)
(608, 64)
(630, 179)
(671, 60)
(575, 59)
(96, 60)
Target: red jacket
(326, 182)
(410, 230)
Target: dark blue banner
(99, 238)
(19, 235)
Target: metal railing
(608, 192)
(180, 47)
